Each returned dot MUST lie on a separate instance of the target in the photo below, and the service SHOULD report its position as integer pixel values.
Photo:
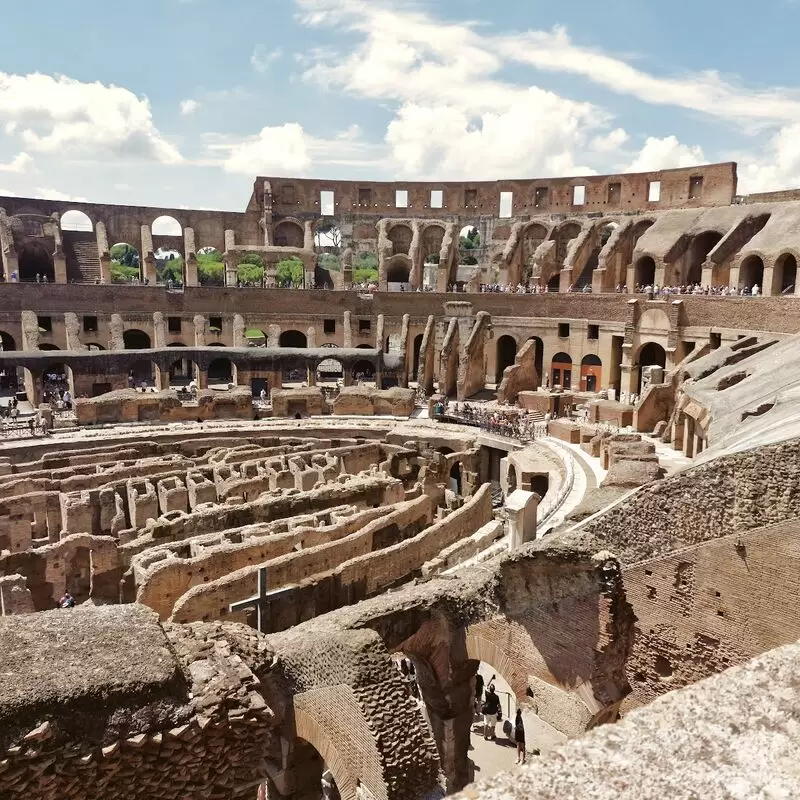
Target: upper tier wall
(694, 187)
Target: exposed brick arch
(400, 236)
(289, 233)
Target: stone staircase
(83, 258)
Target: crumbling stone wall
(731, 494)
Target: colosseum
(283, 493)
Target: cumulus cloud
(282, 149)
(22, 162)
(666, 153)
(189, 107)
(261, 58)
(62, 116)
(778, 167)
(54, 194)
(610, 141)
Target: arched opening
(56, 380)
(35, 263)
(365, 269)
(699, 249)
(400, 236)
(538, 358)
(540, 484)
(535, 234)
(564, 237)
(591, 373)
(289, 234)
(255, 337)
(250, 271)
(330, 372)
(126, 263)
(469, 245)
(136, 340)
(210, 267)
(221, 373)
(651, 355)
(786, 274)
(166, 226)
(432, 239)
(141, 374)
(397, 275)
(181, 372)
(76, 221)
(363, 372)
(417, 352)
(506, 353)
(645, 271)
(455, 478)
(751, 274)
(561, 371)
(294, 339)
(7, 342)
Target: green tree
(365, 268)
(329, 262)
(210, 268)
(290, 271)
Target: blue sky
(183, 102)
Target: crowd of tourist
(513, 422)
(697, 289)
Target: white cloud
(261, 58)
(666, 153)
(70, 118)
(7, 193)
(22, 162)
(54, 194)
(777, 168)
(610, 141)
(189, 106)
(282, 149)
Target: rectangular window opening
(327, 205)
(593, 332)
(215, 324)
(174, 324)
(541, 196)
(329, 326)
(563, 330)
(90, 324)
(401, 198)
(578, 195)
(695, 187)
(470, 198)
(45, 324)
(365, 198)
(653, 191)
(506, 204)
(437, 198)
(364, 325)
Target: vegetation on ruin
(289, 271)
(210, 269)
(365, 268)
(124, 263)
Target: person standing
(490, 710)
(478, 691)
(519, 737)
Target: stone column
(201, 377)
(770, 289)
(521, 507)
(159, 330)
(688, 436)
(347, 332)
(190, 258)
(231, 270)
(103, 254)
(200, 328)
(404, 350)
(60, 267)
(308, 236)
(148, 259)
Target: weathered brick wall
(731, 494)
(705, 608)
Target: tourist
(478, 691)
(66, 601)
(519, 737)
(490, 711)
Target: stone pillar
(60, 267)
(308, 235)
(33, 386)
(160, 378)
(239, 331)
(274, 336)
(11, 263)
(200, 330)
(404, 350)
(311, 372)
(201, 377)
(733, 281)
(148, 259)
(103, 254)
(159, 330)
(688, 436)
(770, 289)
(231, 270)
(347, 332)
(521, 507)
(311, 338)
(190, 258)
